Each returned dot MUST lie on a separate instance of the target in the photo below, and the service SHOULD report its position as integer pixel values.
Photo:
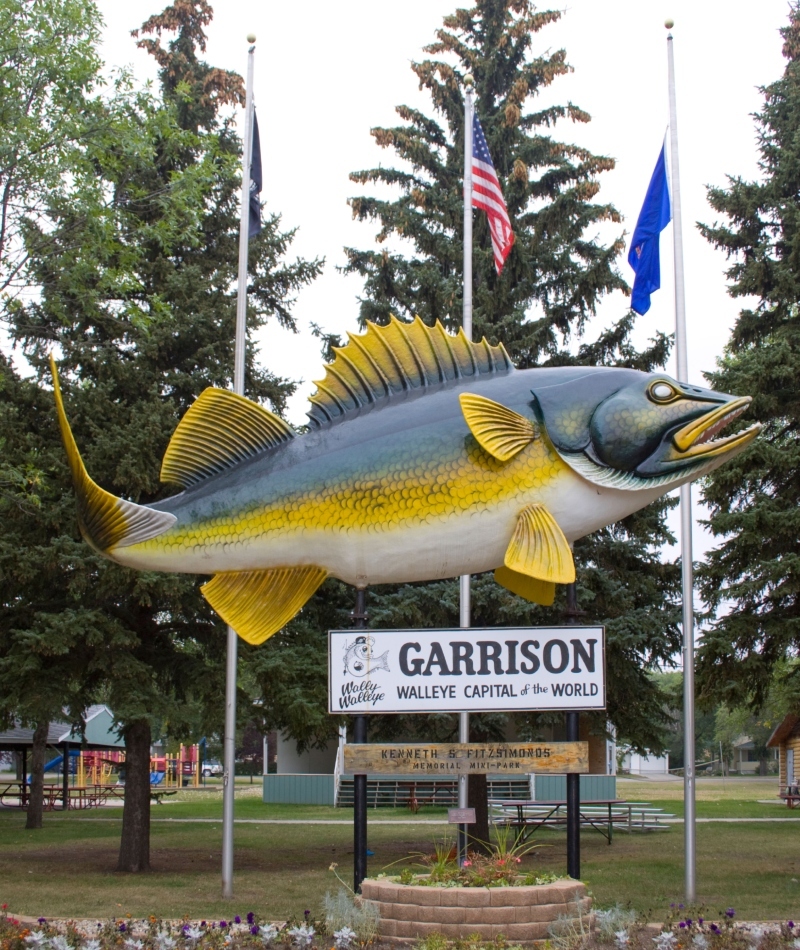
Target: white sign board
(496, 669)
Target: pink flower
(518, 860)
(467, 864)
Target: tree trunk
(134, 848)
(762, 766)
(478, 798)
(36, 796)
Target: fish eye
(662, 392)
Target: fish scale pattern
(417, 484)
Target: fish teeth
(719, 425)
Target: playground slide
(54, 765)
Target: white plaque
(496, 669)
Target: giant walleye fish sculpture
(428, 456)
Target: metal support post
(573, 778)
(65, 778)
(687, 581)
(240, 343)
(359, 781)
(465, 618)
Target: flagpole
(466, 323)
(229, 757)
(687, 583)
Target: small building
(647, 766)
(786, 739)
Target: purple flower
(306, 913)
(688, 921)
(251, 918)
(122, 928)
(237, 919)
(680, 906)
(42, 920)
(213, 926)
(223, 923)
(730, 912)
(790, 924)
(700, 921)
(185, 928)
(203, 923)
(254, 930)
(714, 929)
(682, 925)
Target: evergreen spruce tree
(138, 303)
(552, 281)
(752, 577)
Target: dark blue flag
(653, 218)
(255, 183)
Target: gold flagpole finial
(251, 37)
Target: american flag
(488, 196)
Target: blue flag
(255, 182)
(653, 218)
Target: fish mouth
(696, 439)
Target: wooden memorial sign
(465, 758)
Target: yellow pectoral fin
(258, 603)
(539, 592)
(539, 548)
(499, 430)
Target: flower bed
(522, 914)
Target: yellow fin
(499, 430)
(398, 358)
(258, 603)
(539, 592)
(106, 522)
(220, 430)
(539, 548)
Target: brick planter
(521, 914)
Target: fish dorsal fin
(258, 603)
(397, 359)
(530, 588)
(539, 548)
(499, 430)
(220, 430)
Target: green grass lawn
(67, 868)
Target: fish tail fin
(106, 522)
(382, 662)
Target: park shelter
(786, 739)
(99, 734)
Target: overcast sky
(326, 73)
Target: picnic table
(602, 814)
(790, 794)
(15, 794)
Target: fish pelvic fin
(529, 588)
(499, 430)
(539, 549)
(258, 603)
(106, 522)
(220, 430)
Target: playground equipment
(177, 770)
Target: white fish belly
(461, 543)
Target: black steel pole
(359, 781)
(24, 776)
(573, 778)
(65, 778)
